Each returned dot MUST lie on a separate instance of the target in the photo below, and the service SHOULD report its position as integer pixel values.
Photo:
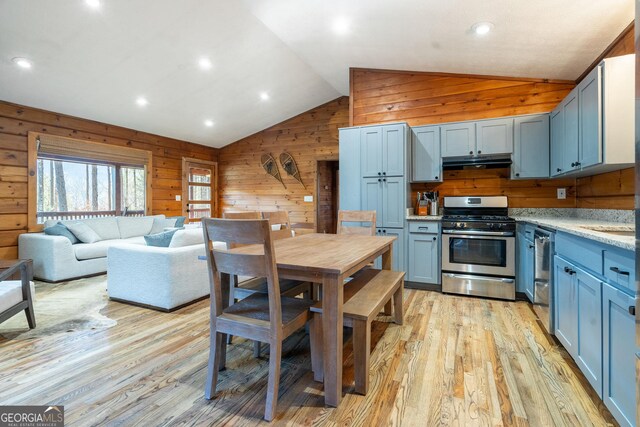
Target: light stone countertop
(424, 217)
(576, 226)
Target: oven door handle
(489, 279)
(479, 233)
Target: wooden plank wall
(383, 96)
(308, 137)
(16, 121)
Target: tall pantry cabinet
(374, 176)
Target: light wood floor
(455, 361)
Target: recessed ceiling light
(341, 26)
(142, 101)
(22, 63)
(482, 28)
(94, 4)
(208, 123)
(264, 96)
(205, 63)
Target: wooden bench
(364, 297)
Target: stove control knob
(492, 226)
(460, 225)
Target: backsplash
(614, 215)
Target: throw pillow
(179, 221)
(187, 238)
(83, 232)
(160, 239)
(160, 223)
(60, 229)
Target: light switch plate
(178, 198)
(308, 199)
(562, 193)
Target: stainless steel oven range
(478, 247)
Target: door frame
(318, 159)
(185, 184)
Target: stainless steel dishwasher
(543, 280)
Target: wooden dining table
(326, 259)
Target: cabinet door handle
(436, 177)
(423, 228)
(435, 238)
(379, 174)
(384, 173)
(566, 269)
(479, 151)
(578, 163)
(632, 310)
(624, 273)
(470, 152)
(558, 170)
(573, 164)
(517, 173)
(384, 231)
(384, 179)
(379, 179)
(617, 270)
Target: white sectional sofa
(158, 277)
(56, 259)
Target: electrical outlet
(562, 193)
(308, 199)
(178, 198)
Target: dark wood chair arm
(25, 267)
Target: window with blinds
(73, 178)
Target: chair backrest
(280, 218)
(362, 217)
(241, 215)
(258, 263)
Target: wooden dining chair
(243, 286)
(280, 221)
(363, 217)
(268, 318)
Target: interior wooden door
(199, 189)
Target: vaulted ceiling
(95, 62)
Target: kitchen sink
(622, 230)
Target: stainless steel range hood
(476, 162)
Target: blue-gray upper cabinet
(382, 150)
(618, 326)
(350, 177)
(531, 147)
(424, 257)
(371, 151)
(494, 136)
(426, 164)
(589, 345)
(393, 146)
(590, 103)
(597, 122)
(393, 203)
(372, 190)
(570, 107)
(557, 141)
(458, 139)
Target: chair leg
(315, 337)
(215, 350)
(361, 350)
(256, 349)
(31, 317)
(275, 355)
(398, 310)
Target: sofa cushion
(84, 251)
(106, 227)
(132, 226)
(83, 232)
(187, 237)
(160, 239)
(11, 293)
(60, 229)
(161, 224)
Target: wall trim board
(618, 44)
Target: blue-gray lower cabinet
(566, 304)
(424, 258)
(397, 262)
(525, 260)
(619, 354)
(589, 349)
(393, 202)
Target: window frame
(84, 151)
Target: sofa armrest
(50, 254)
